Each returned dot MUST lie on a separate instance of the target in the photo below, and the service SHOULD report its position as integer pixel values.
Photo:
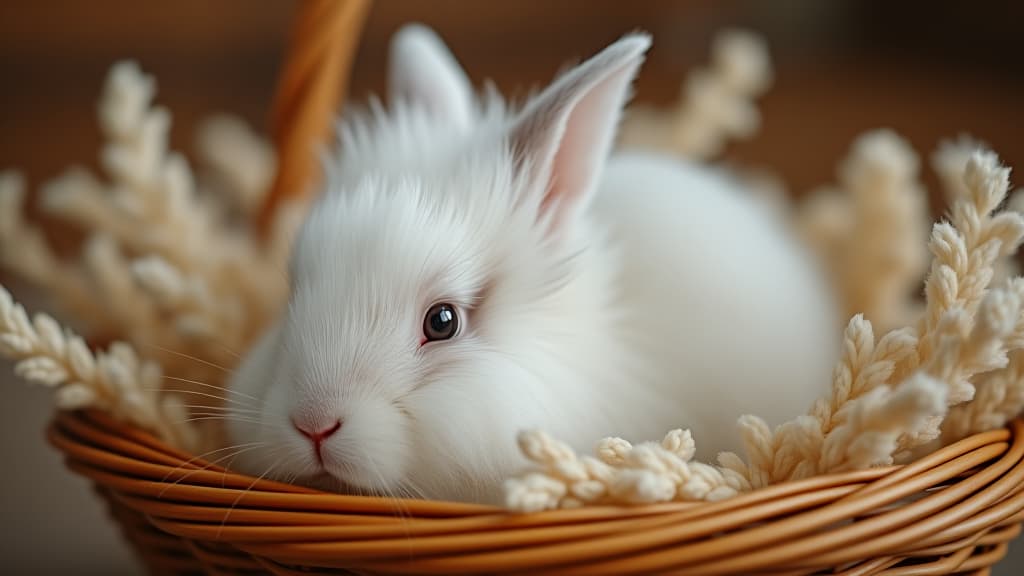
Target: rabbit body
(471, 271)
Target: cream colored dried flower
(196, 314)
(717, 103)
(241, 164)
(949, 161)
(24, 251)
(620, 474)
(870, 232)
(885, 398)
(999, 395)
(815, 443)
(165, 268)
(116, 381)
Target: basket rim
(968, 496)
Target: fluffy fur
(624, 299)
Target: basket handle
(322, 47)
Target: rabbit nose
(317, 437)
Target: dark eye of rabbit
(441, 322)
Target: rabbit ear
(563, 136)
(424, 71)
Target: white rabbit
(473, 270)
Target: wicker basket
(953, 511)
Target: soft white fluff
(622, 299)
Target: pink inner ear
(589, 120)
(566, 132)
(585, 144)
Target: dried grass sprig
(195, 312)
(116, 381)
(999, 395)
(717, 102)
(151, 206)
(25, 252)
(240, 163)
(621, 473)
(165, 267)
(146, 207)
(870, 230)
(966, 249)
(818, 441)
(909, 376)
(949, 161)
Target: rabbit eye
(441, 322)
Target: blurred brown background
(929, 70)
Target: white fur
(421, 69)
(625, 301)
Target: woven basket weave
(953, 511)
